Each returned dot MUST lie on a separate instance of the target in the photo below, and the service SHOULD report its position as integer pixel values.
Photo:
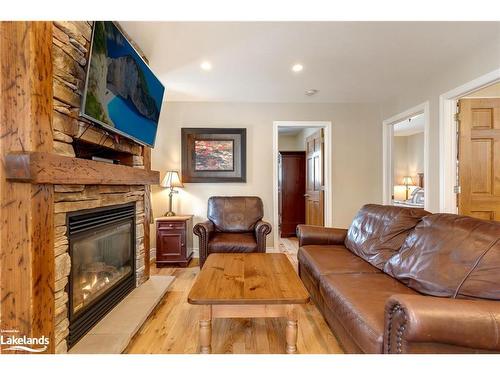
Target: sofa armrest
(316, 235)
(262, 229)
(413, 319)
(203, 231)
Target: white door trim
(387, 142)
(328, 192)
(448, 140)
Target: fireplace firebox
(102, 250)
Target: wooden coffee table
(255, 285)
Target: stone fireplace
(49, 275)
(102, 252)
(90, 203)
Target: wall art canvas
(213, 155)
(216, 155)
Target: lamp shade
(171, 180)
(407, 180)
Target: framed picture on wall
(213, 154)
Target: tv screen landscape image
(121, 92)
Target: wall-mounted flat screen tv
(121, 92)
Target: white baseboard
(196, 252)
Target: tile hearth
(114, 332)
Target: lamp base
(170, 213)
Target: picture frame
(213, 155)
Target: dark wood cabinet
(291, 190)
(174, 240)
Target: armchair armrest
(203, 231)
(202, 228)
(316, 235)
(413, 319)
(262, 229)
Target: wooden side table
(174, 240)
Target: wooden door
(479, 158)
(314, 179)
(292, 189)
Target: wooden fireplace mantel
(48, 168)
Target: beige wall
(357, 152)
(297, 142)
(492, 91)
(481, 61)
(289, 142)
(400, 157)
(408, 157)
(415, 155)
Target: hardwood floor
(290, 246)
(173, 326)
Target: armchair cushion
(232, 243)
(466, 325)
(235, 214)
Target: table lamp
(407, 181)
(171, 180)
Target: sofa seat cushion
(451, 256)
(322, 260)
(232, 243)
(378, 232)
(358, 302)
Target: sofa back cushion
(450, 256)
(377, 232)
(235, 214)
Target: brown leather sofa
(234, 225)
(402, 280)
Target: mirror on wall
(408, 162)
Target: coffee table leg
(206, 330)
(291, 330)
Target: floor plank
(173, 326)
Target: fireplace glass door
(100, 259)
(102, 249)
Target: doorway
(406, 180)
(478, 156)
(450, 188)
(302, 190)
(408, 188)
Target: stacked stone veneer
(71, 41)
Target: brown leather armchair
(234, 225)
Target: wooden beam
(27, 240)
(48, 168)
(148, 215)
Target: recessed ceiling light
(311, 92)
(297, 68)
(206, 65)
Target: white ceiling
(406, 128)
(345, 61)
